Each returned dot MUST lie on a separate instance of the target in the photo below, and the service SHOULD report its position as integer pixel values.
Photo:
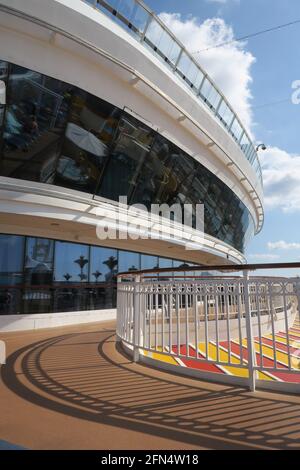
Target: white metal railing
(147, 28)
(246, 328)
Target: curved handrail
(154, 34)
(239, 330)
(220, 267)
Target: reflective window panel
(11, 259)
(38, 267)
(71, 262)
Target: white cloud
(229, 66)
(263, 256)
(216, 1)
(282, 245)
(281, 175)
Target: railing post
(136, 319)
(250, 342)
(120, 311)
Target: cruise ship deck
(75, 380)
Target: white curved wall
(93, 53)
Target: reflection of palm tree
(67, 276)
(133, 268)
(111, 263)
(81, 261)
(97, 274)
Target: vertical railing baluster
(156, 320)
(196, 319)
(170, 321)
(239, 294)
(272, 315)
(163, 319)
(205, 322)
(216, 308)
(226, 302)
(136, 317)
(259, 323)
(286, 325)
(187, 349)
(250, 344)
(178, 320)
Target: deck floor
(71, 388)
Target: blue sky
(271, 65)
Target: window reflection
(71, 262)
(56, 133)
(149, 262)
(36, 113)
(104, 264)
(11, 259)
(10, 301)
(89, 132)
(84, 276)
(37, 301)
(38, 267)
(129, 261)
(132, 144)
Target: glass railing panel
(140, 18)
(245, 144)
(183, 65)
(113, 3)
(165, 44)
(236, 129)
(209, 94)
(126, 8)
(225, 114)
(134, 13)
(154, 34)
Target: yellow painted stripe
(161, 357)
(224, 357)
(269, 353)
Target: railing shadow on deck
(91, 380)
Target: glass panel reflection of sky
(11, 259)
(103, 264)
(71, 262)
(129, 261)
(149, 262)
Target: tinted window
(128, 261)
(89, 132)
(131, 148)
(71, 262)
(11, 259)
(35, 118)
(38, 267)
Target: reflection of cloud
(282, 245)
(229, 66)
(281, 175)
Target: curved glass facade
(56, 133)
(40, 275)
(136, 18)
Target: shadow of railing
(79, 376)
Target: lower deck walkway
(70, 388)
